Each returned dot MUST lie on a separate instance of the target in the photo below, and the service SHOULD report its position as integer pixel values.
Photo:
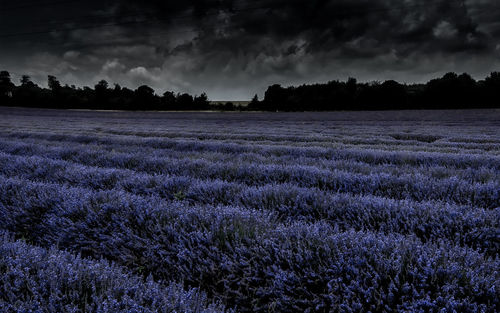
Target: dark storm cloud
(324, 25)
(234, 48)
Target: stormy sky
(233, 49)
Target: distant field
(236, 103)
(251, 212)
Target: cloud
(444, 30)
(235, 48)
(113, 66)
(140, 73)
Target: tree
(185, 101)
(145, 91)
(6, 87)
(351, 86)
(275, 98)
(255, 100)
(26, 80)
(255, 104)
(145, 98)
(28, 94)
(201, 102)
(102, 94)
(5, 81)
(393, 95)
(490, 88)
(53, 83)
(5, 78)
(228, 106)
(102, 85)
(169, 101)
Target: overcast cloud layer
(234, 49)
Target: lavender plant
(158, 213)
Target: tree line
(101, 97)
(452, 91)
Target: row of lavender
(414, 185)
(416, 143)
(257, 223)
(134, 150)
(357, 206)
(47, 280)
(247, 258)
(479, 168)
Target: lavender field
(249, 212)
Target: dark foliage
(101, 97)
(452, 91)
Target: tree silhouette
(185, 101)
(26, 80)
(169, 101)
(53, 83)
(452, 91)
(28, 94)
(145, 98)
(6, 87)
(275, 98)
(255, 104)
(102, 94)
(490, 89)
(101, 86)
(201, 102)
